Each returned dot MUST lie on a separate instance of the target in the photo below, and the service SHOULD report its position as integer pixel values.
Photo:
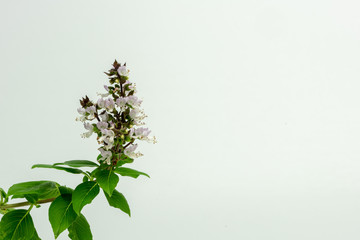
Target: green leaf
(85, 179)
(3, 196)
(17, 225)
(129, 172)
(61, 214)
(93, 173)
(2, 193)
(80, 229)
(32, 198)
(117, 200)
(107, 180)
(83, 194)
(65, 190)
(123, 160)
(43, 189)
(69, 170)
(78, 163)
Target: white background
(255, 105)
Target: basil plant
(116, 119)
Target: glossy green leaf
(65, 190)
(17, 225)
(93, 173)
(117, 200)
(69, 170)
(43, 189)
(85, 179)
(3, 197)
(83, 194)
(32, 198)
(107, 180)
(78, 163)
(61, 214)
(2, 193)
(80, 229)
(129, 172)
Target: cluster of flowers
(116, 118)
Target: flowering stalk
(115, 118)
(22, 204)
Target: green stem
(86, 175)
(22, 204)
(31, 206)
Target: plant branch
(128, 144)
(121, 87)
(22, 204)
(97, 116)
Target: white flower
(123, 71)
(88, 126)
(105, 156)
(134, 113)
(102, 125)
(137, 114)
(142, 134)
(121, 102)
(109, 104)
(131, 148)
(101, 103)
(130, 151)
(91, 110)
(90, 129)
(81, 111)
(134, 101)
(104, 117)
(108, 138)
